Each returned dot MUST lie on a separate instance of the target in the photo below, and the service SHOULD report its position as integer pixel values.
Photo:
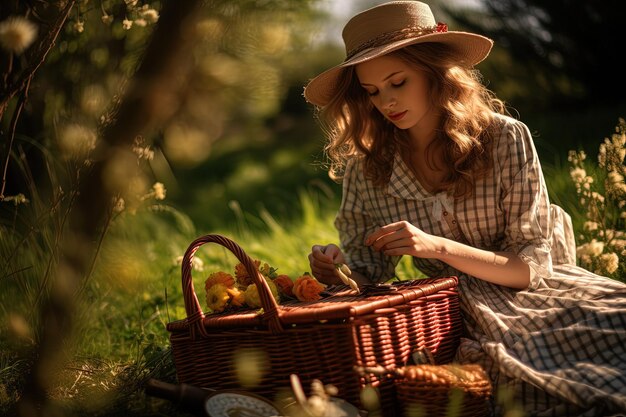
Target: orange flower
(242, 275)
(219, 277)
(284, 284)
(307, 288)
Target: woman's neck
(419, 141)
(424, 157)
(424, 132)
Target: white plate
(239, 404)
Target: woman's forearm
(503, 268)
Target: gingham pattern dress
(558, 347)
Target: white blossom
(578, 175)
(107, 19)
(150, 15)
(609, 262)
(159, 191)
(17, 34)
(590, 226)
(79, 26)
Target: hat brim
(470, 49)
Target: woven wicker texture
(324, 340)
(431, 390)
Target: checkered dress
(559, 347)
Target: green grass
(120, 337)
(122, 309)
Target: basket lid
(339, 303)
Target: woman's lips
(396, 116)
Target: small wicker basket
(443, 390)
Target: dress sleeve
(525, 201)
(354, 224)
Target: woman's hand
(322, 260)
(403, 238)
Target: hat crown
(386, 18)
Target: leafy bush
(601, 193)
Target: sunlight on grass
(284, 246)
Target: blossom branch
(142, 105)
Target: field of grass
(120, 340)
(275, 201)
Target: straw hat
(388, 27)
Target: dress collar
(403, 183)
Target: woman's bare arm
(403, 238)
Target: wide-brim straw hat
(388, 27)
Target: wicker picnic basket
(443, 390)
(325, 339)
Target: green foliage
(260, 175)
(286, 246)
(601, 193)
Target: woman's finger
(322, 253)
(392, 232)
(325, 277)
(320, 261)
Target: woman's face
(397, 90)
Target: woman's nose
(388, 101)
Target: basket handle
(192, 305)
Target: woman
(434, 168)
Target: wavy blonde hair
(355, 128)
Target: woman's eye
(394, 85)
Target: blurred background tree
(87, 98)
(562, 53)
(556, 63)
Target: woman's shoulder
(354, 167)
(504, 125)
(512, 142)
(509, 133)
(352, 163)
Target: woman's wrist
(440, 247)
